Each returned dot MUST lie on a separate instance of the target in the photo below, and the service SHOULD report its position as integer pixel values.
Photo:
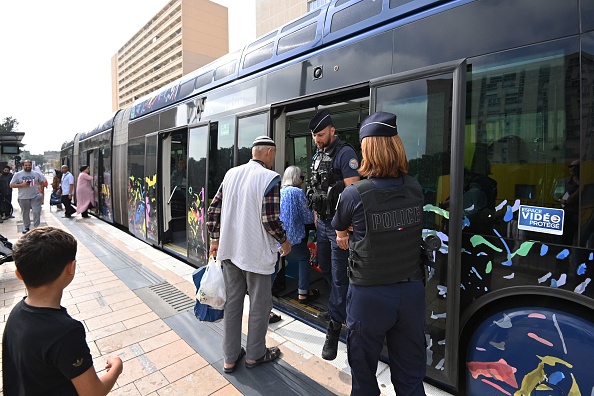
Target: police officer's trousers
(396, 313)
(334, 262)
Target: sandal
(231, 369)
(271, 354)
(273, 318)
(312, 295)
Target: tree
(9, 124)
(38, 158)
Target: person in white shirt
(67, 188)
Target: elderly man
(30, 185)
(244, 228)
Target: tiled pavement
(119, 293)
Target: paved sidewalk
(157, 360)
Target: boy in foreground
(44, 350)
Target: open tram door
(430, 105)
(295, 146)
(94, 161)
(173, 177)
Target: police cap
(378, 124)
(263, 141)
(320, 121)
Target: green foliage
(9, 124)
(38, 158)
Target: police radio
(429, 244)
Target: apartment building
(271, 14)
(183, 36)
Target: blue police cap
(320, 121)
(378, 124)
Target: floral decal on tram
(150, 200)
(197, 244)
(105, 210)
(136, 206)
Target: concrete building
(271, 14)
(181, 37)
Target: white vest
(243, 238)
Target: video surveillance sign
(540, 219)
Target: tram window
(297, 39)
(398, 3)
(300, 152)
(259, 55)
(220, 158)
(203, 79)
(225, 70)
(248, 128)
(354, 14)
(519, 126)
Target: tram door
(93, 162)
(429, 104)
(295, 146)
(173, 190)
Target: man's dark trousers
(68, 209)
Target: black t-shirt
(43, 349)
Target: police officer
(334, 167)
(386, 297)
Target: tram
(495, 105)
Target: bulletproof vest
(324, 178)
(390, 250)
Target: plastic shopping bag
(212, 287)
(205, 313)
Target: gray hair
(292, 176)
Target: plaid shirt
(270, 214)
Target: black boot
(332, 336)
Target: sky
(55, 72)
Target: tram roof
(323, 26)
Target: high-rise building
(271, 14)
(183, 36)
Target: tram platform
(136, 302)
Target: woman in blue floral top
(295, 214)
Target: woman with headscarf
(84, 191)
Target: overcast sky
(55, 72)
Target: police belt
(417, 276)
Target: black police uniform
(386, 296)
(332, 260)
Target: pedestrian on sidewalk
(84, 191)
(44, 350)
(30, 184)
(386, 295)
(5, 194)
(244, 228)
(67, 189)
(56, 181)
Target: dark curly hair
(42, 254)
